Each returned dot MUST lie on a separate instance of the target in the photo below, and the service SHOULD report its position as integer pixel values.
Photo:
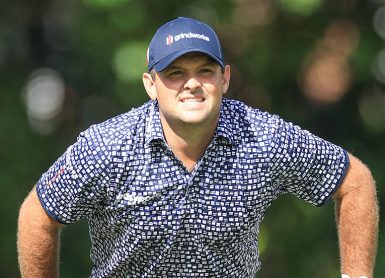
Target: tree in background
(65, 65)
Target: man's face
(189, 91)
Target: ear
(149, 85)
(225, 79)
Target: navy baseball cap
(180, 36)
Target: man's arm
(37, 240)
(357, 220)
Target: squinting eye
(206, 70)
(176, 73)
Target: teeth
(192, 100)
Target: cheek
(165, 97)
(170, 85)
(215, 90)
(166, 91)
(162, 99)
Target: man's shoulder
(242, 114)
(121, 127)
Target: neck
(188, 142)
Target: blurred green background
(67, 64)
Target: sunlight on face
(190, 90)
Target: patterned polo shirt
(150, 217)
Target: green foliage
(104, 3)
(129, 63)
(99, 49)
(301, 7)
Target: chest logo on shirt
(133, 199)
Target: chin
(192, 121)
(198, 120)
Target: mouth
(192, 100)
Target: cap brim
(165, 62)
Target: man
(178, 187)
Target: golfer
(178, 187)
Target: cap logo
(170, 39)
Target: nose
(192, 84)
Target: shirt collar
(154, 131)
(225, 128)
(224, 131)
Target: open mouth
(192, 100)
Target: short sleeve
(306, 165)
(75, 184)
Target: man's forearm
(37, 241)
(357, 220)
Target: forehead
(192, 57)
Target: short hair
(153, 74)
